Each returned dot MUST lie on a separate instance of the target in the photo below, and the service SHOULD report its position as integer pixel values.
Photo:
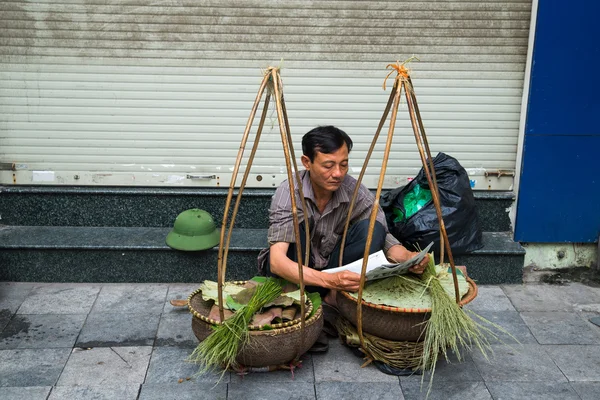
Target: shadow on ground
(564, 276)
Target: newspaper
(378, 266)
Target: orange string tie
(400, 70)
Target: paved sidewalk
(125, 341)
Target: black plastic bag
(458, 210)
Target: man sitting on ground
(328, 190)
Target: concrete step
(158, 207)
(139, 254)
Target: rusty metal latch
(201, 176)
(500, 172)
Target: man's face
(327, 171)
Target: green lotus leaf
(210, 291)
(409, 292)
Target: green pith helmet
(193, 230)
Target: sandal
(330, 316)
(321, 345)
(389, 370)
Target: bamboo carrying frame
(274, 85)
(401, 81)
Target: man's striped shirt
(326, 229)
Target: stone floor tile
(585, 316)
(201, 391)
(31, 367)
(577, 362)
(339, 364)
(271, 391)
(168, 365)
(512, 329)
(12, 295)
(590, 308)
(94, 392)
(304, 373)
(175, 329)
(131, 298)
(587, 390)
(537, 298)
(528, 362)
(490, 298)
(358, 391)
(60, 298)
(452, 370)
(5, 316)
(25, 393)
(178, 291)
(110, 366)
(580, 294)
(446, 390)
(41, 331)
(532, 390)
(118, 329)
(559, 327)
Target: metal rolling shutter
(144, 94)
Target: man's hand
(399, 253)
(343, 280)
(420, 267)
(282, 266)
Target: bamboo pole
(373, 216)
(428, 151)
(286, 151)
(363, 170)
(300, 187)
(245, 177)
(434, 191)
(221, 262)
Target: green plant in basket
(222, 346)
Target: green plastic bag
(414, 200)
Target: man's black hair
(324, 139)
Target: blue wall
(559, 197)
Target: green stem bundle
(221, 347)
(449, 327)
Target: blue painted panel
(559, 199)
(565, 82)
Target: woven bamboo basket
(397, 354)
(276, 346)
(393, 323)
